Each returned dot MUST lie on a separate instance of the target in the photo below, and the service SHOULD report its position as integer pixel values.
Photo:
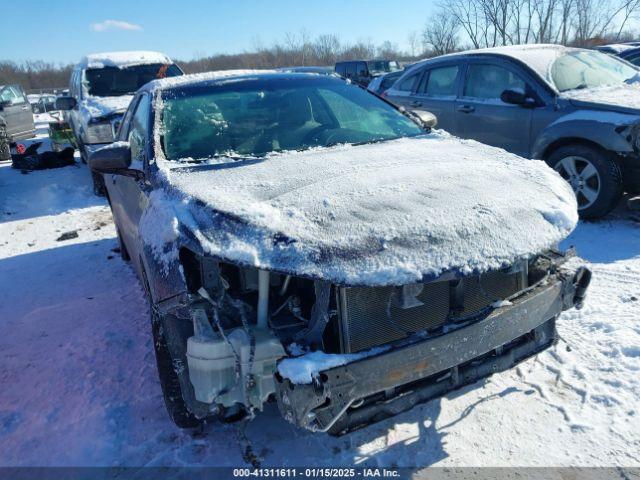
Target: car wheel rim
(583, 178)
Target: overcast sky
(63, 31)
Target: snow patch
(626, 95)
(124, 59)
(304, 369)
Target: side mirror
(516, 97)
(4, 103)
(427, 119)
(114, 159)
(65, 103)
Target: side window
(10, 95)
(351, 70)
(138, 133)
(635, 59)
(6, 94)
(21, 95)
(361, 69)
(340, 69)
(18, 96)
(440, 82)
(125, 124)
(489, 81)
(408, 84)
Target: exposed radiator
(372, 316)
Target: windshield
(113, 81)
(582, 69)
(255, 117)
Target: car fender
(609, 130)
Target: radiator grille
(482, 290)
(372, 316)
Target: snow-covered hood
(94, 108)
(389, 213)
(621, 98)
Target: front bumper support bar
(341, 398)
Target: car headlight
(99, 133)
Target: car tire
(169, 382)
(594, 176)
(99, 188)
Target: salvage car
(101, 87)
(579, 110)
(302, 241)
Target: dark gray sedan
(577, 109)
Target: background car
(382, 83)
(363, 71)
(16, 113)
(629, 51)
(46, 103)
(577, 109)
(101, 87)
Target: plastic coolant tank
(212, 366)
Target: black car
(363, 71)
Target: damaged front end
(240, 332)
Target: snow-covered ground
(78, 384)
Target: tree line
(294, 50)
(455, 25)
(461, 24)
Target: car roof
(369, 60)
(227, 76)
(618, 47)
(538, 57)
(123, 59)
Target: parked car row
(304, 241)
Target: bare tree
(413, 39)
(441, 33)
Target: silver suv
(576, 109)
(100, 89)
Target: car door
(362, 74)
(481, 114)
(129, 197)
(436, 93)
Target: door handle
(416, 103)
(466, 109)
